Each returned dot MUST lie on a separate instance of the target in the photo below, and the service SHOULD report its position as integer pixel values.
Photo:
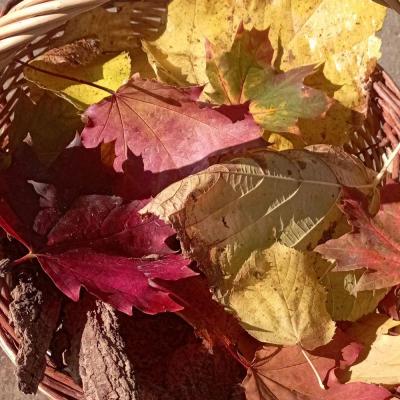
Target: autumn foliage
(202, 173)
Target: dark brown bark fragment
(105, 369)
(34, 313)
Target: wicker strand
(32, 18)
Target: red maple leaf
(285, 374)
(166, 126)
(373, 244)
(98, 242)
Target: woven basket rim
(384, 106)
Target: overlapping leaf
(373, 245)
(342, 303)
(303, 32)
(278, 299)
(108, 72)
(285, 374)
(99, 243)
(50, 125)
(227, 211)
(378, 362)
(165, 126)
(178, 55)
(245, 73)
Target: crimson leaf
(165, 125)
(99, 243)
(374, 243)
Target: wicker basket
(27, 29)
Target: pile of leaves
(200, 176)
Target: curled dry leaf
(245, 74)
(80, 52)
(227, 211)
(166, 126)
(372, 246)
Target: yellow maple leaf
(178, 55)
(106, 71)
(339, 36)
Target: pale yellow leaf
(278, 299)
(339, 35)
(380, 363)
(109, 72)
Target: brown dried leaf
(81, 52)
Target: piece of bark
(79, 53)
(105, 369)
(34, 313)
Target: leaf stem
(320, 383)
(19, 261)
(62, 76)
(388, 162)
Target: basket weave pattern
(28, 29)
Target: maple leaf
(373, 245)
(277, 100)
(285, 374)
(165, 126)
(47, 74)
(302, 32)
(93, 241)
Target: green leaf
(229, 72)
(277, 100)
